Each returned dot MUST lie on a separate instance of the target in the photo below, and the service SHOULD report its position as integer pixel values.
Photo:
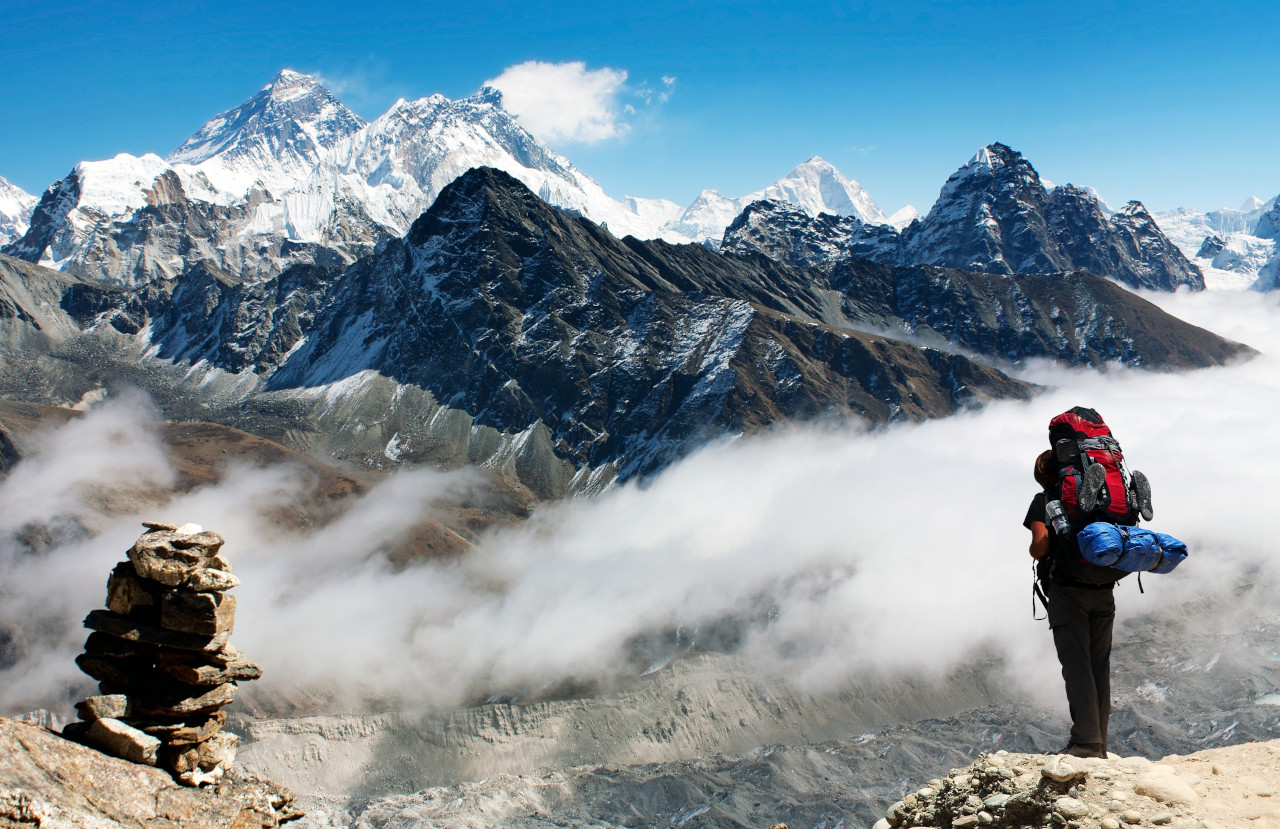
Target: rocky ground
(48, 781)
(1223, 787)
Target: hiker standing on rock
(1085, 485)
(1080, 614)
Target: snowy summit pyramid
(815, 187)
(277, 137)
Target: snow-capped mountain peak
(276, 137)
(16, 205)
(903, 216)
(816, 186)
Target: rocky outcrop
(1210, 788)
(48, 781)
(785, 233)
(162, 657)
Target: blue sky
(1172, 103)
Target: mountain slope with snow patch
(16, 205)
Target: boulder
(128, 595)
(133, 630)
(1160, 783)
(184, 732)
(174, 557)
(192, 671)
(219, 750)
(181, 700)
(212, 580)
(206, 614)
(123, 741)
(103, 644)
(114, 672)
(48, 781)
(106, 707)
(1060, 769)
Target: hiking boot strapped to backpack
(1094, 484)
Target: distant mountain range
(1233, 248)
(438, 287)
(994, 215)
(293, 176)
(502, 331)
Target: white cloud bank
(569, 103)
(855, 551)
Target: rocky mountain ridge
(292, 176)
(505, 332)
(994, 215)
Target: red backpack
(1094, 483)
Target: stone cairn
(161, 655)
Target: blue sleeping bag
(1130, 548)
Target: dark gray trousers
(1081, 620)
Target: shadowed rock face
(993, 216)
(503, 331)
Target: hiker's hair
(1046, 469)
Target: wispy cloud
(843, 551)
(569, 103)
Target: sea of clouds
(850, 551)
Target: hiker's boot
(1092, 483)
(1085, 750)
(1142, 494)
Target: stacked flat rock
(161, 655)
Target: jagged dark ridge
(503, 330)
